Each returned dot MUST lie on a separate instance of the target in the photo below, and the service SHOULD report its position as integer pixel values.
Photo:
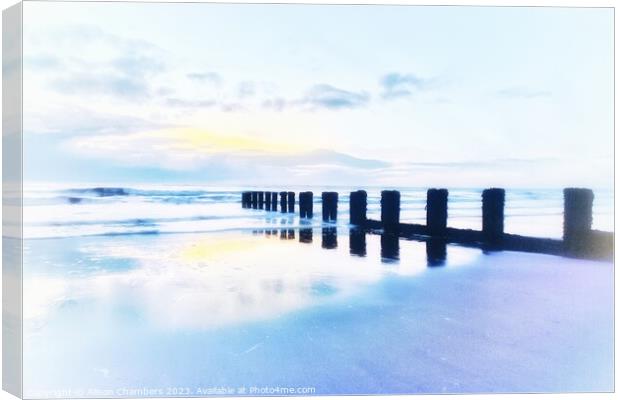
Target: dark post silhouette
(255, 200)
(305, 235)
(329, 238)
(268, 201)
(390, 209)
(246, 199)
(358, 202)
(577, 218)
(436, 252)
(261, 200)
(357, 242)
(274, 201)
(437, 211)
(390, 248)
(305, 205)
(330, 205)
(283, 202)
(493, 214)
(291, 202)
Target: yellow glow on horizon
(204, 140)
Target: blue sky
(277, 94)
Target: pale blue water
(100, 210)
(178, 291)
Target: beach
(269, 303)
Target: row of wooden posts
(578, 236)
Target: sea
(175, 291)
(52, 211)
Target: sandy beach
(273, 308)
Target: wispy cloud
(211, 77)
(333, 98)
(523, 92)
(123, 68)
(397, 85)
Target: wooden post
(268, 201)
(577, 218)
(283, 202)
(330, 206)
(305, 204)
(437, 211)
(493, 214)
(274, 201)
(255, 200)
(246, 199)
(291, 202)
(261, 200)
(358, 202)
(390, 209)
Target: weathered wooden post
(261, 200)
(390, 209)
(245, 199)
(274, 201)
(577, 219)
(437, 211)
(254, 200)
(329, 238)
(305, 204)
(283, 202)
(268, 201)
(357, 242)
(291, 202)
(493, 214)
(358, 202)
(330, 206)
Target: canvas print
(303, 200)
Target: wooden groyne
(579, 239)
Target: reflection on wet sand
(390, 248)
(329, 238)
(305, 235)
(436, 252)
(436, 249)
(357, 242)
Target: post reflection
(357, 242)
(436, 252)
(305, 235)
(390, 248)
(329, 238)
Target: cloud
(332, 98)
(191, 149)
(212, 77)
(246, 89)
(116, 85)
(85, 121)
(522, 92)
(177, 102)
(397, 85)
(120, 67)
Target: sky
(314, 94)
